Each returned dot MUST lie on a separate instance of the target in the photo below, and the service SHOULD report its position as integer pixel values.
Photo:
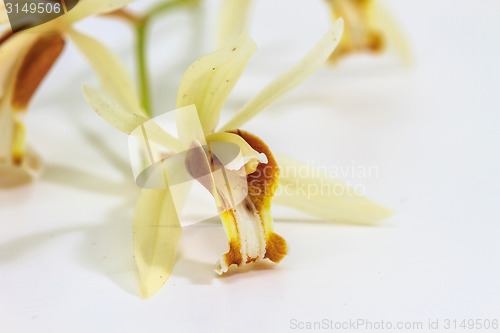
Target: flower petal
(248, 156)
(7, 123)
(92, 7)
(34, 66)
(233, 20)
(4, 18)
(391, 29)
(25, 59)
(249, 225)
(157, 231)
(13, 47)
(128, 122)
(289, 79)
(113, 76)
(210, 79)
(111, 111)
(243, 203)
(19, 173)
(305, 188)
(189, 127)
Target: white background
(66, 257)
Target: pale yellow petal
(396, 40)
(128, 122)
(157, 231)
(189, 126)
(16, 174)
(111, 111)
(4, 18)
(12, 51)
(289, 79)
(6, 132)
(248, 223)
(306, 188)
(25, 60)
(33, 66)
(210, 79)
(113, 76)
(233, 20)
(157, 135)
(248, 156)
(86, 8)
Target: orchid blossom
(26, 57)
(369, 27)
(248, 224)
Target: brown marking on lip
(201, 164)
(359, 33)
(18, 137)
(34, 67)
(276, 248)
(375, 41)
(6, 36)
(262, 185)
(233, 256)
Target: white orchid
(369, 27)
(26, 57)
(248, 225)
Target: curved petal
(34, 66)
(25, 61)
(111, 111)
(157, 231)
(289, 79)
(396, 40)
(249, 157)
(86, 8)
(189, 126)
(113, 76)
(12, 50)
(306, 188)
(126, 121)
(210, 79)
(249, 225)
(4, 18)
(233, 20)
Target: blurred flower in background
(369, 28)
(361, 35)
(26, 57)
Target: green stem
(142, 26)
(142, 67)
(166, 6)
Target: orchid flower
(369, 27)
(26, 57)
(234, 19)
(248, 224)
